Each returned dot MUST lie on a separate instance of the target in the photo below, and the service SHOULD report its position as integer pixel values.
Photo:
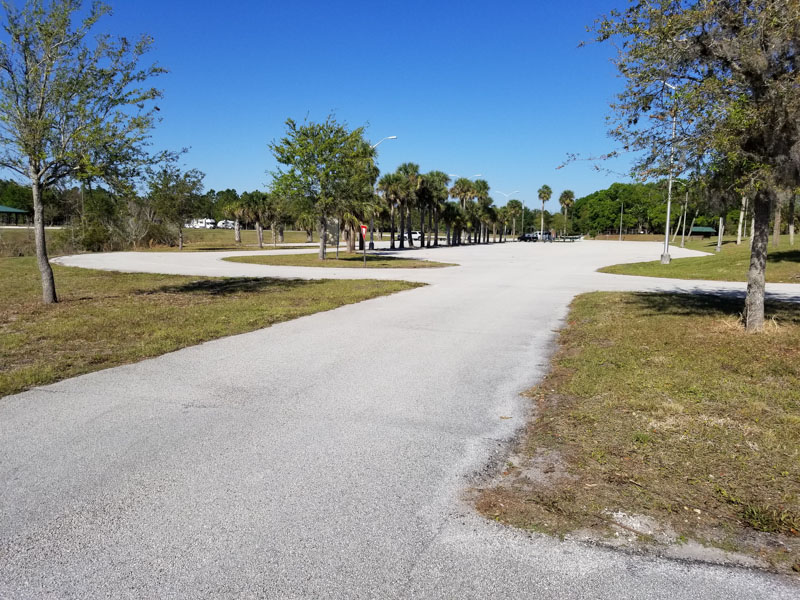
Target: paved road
(326, 457)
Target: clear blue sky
(471, 87)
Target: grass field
(677, 414)
(345, 260)
(19, 241)
(106, 318)
(731, 264)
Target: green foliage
(175, 194)
(324, 163)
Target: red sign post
(364, 238)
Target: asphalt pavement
(325, 457)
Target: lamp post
(456, 175)
(508, 195)
(665, 258)
(372, 217)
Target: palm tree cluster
(466, 219)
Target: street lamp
(507, 197)
(390, 137)
(456, 175)
(372, 217)
(665, 258)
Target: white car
(225, 224)
(415, 236)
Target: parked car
(415, 236)
(528, 237)
(225, 224)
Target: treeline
(642, 208)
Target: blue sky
(472, 87)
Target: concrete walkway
(325, 457)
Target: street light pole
(508, 195)
(372, 216)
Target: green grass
(662, 405)
(731, 264)
(345, 260)
(19, 241)
(106, 318)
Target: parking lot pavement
(325, 457)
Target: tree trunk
(237, 231)
(351, 238)
(273, 227)
(513, 226)
(720, 233)
(409, 227)
(436, 229)
(678, 225)
(691, 226)
(46, 271)
(754, 302)
(310, 235)
(421, 227)
(392, 232)
(322, 237)
(280, 233)
(741, 221)
(402, 233)
(260, 234)
(791, 219)
(447, 233)
(776, 227)
(180, 237)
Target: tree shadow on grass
(722, 303)
(234, 285)
(779, 256)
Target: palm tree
(391, 185)
(237, 210)
(464, 190)
(254, 209)
(567, 199)
(544, 195)
(436, 183)
(410, 172)
(481, 194)
(514, 212)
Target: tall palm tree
(464, 190)
(567, 199)
(410, 172)
(544, 195)
(391, 186)
(436, 183)
(514, 212)
(481, 191)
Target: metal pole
(665, 258)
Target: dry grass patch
(659, 405)
(106, 318)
